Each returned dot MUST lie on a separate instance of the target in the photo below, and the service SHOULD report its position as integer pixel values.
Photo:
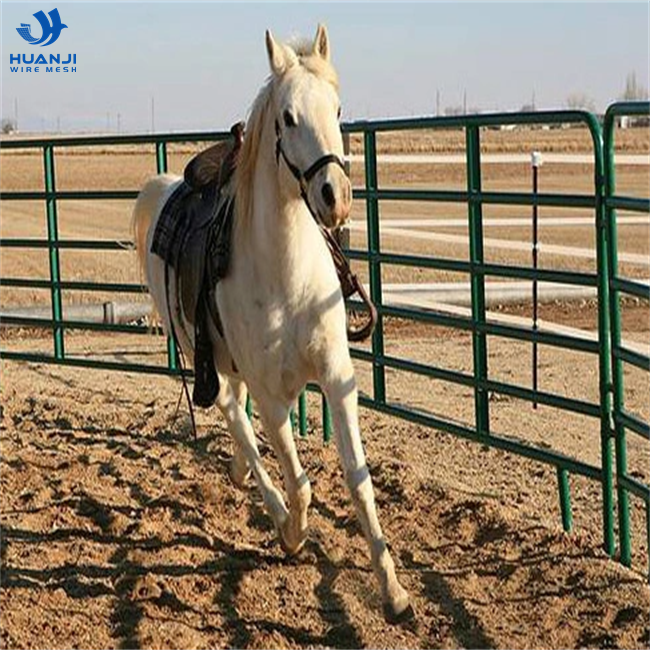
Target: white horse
(281, 305)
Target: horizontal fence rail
(611, 420)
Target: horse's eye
(289, 119)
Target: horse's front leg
(277, 424)
(339, 385)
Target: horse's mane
(257, 117)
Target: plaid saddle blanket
(192, 236)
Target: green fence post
(565, 499)
(161, 168)
(327, 420)
(477, 279)
(604, 361)
(623, 505)
(52, 239)
(302, 413)
(374, 264)
(161, 157)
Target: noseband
(305, 177)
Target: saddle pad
(173, 223)
(192, 235)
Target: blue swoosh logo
(51, 30)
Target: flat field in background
(128, 167)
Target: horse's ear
(281, 58)
(322, 43)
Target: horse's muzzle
(333, 197)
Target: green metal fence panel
(475, 198)
(608, 412)
(620, 355)
(51, 196)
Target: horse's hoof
(400, 611)
(238, 477)
(291, 551)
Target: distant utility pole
(465, 102)
(438, 102)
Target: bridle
(304, 178)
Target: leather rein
(349, 281)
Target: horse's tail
(147, 210)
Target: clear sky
(203, 62)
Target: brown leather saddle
(212, 169)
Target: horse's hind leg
(341, 391)
(239, 469)
(277, 424)
(246, 445)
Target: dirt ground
(121, 530)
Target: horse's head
(309, 145)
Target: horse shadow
(122, 578)
(91, 519)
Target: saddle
(192, 236)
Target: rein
(349, 286)
(349, 281)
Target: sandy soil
(121, 530)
